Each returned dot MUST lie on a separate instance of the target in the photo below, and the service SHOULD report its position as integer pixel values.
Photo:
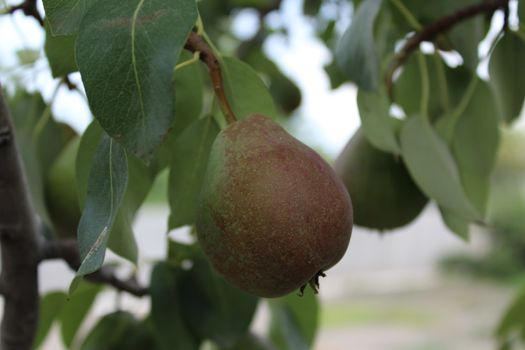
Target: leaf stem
(195, 58)
(410, 18)
(425, 84)
(210, 56)
(442, 81)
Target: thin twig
(196, 43)
(29, 8)
(67, 250)
(441, 25)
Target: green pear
(383, 193)
(272, 216)
(61, 192)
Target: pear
(61, 191)
(272, 215)
(383, 193)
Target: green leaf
(40, 140)
(246, 92)
(455, 223)
(407, 90)
(506, 76)
(188, 84)
(50, 306)
(294, 321)
(75, 310)
(432, 167)
(140, 180)
(212, 307)
(108, 179)
(65, 15)
(119, 331)
(356, 53)
(514, 317)
(189, 159)
(60, 52)
(126, 52)
(465, 38)
(374, 111)
(476, 159)
(170, 330)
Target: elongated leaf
(433, 168)
(108, 179)
(41, 140)
(50, 306)
(356, 53)
(294, 321)
(246, 92)
(170, 330)
(476, 159)
(121, 239)
(126, 52)
(60, 52)
(75, 310)
(65, 15)
(455, 223)
(188, 83)
(376, 122)
(507, 77)
(213, 308)
(188, 165)
(119, 331)
(514, 317)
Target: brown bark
(18, 244)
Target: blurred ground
(386, 294)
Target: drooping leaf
(189, 159)
(126, 52)
(407, 89)
(108, 179)
(65, 15)
(40, 140)
(514, 317)
(455, 223)
(188, 84)
(356, 53)
(432, 167)
(140, 179)
(119, 331)
(60, 52)
(171, 331)
(507, 78)
(294, 321)
(374, 111)
(475, 145)
(75, 310)
(50, 306)
(246, 92)
(213, 308)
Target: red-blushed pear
(273, 216)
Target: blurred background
(416, 288)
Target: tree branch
(441, 25)
(67, 250)
(29, 8)
(18, 243)
(196, 43)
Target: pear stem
(197, 43)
